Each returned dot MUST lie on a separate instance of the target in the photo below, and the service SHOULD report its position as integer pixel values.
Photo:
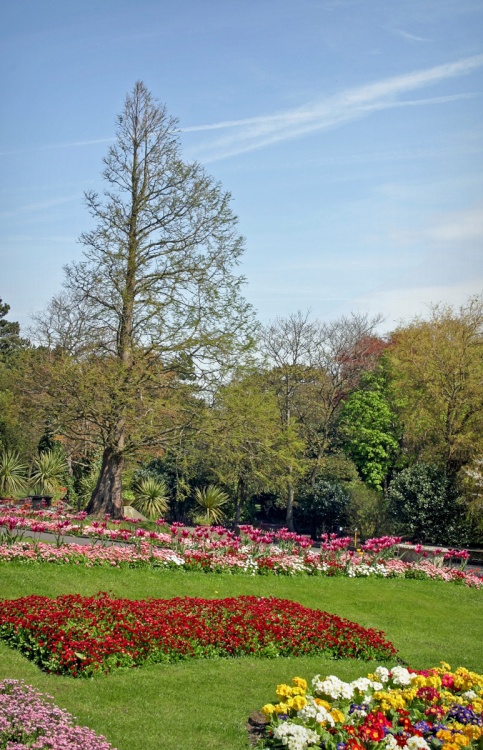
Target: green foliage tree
(437, 375)
(17, 431)
(86, 481)
(425, 505)
(368, 510)
(471, 484)
(322, 507)
(369, 430)
(10, 340)
(249, 450)
(155, 300)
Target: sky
(349, 133)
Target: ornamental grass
(433, 709)
(80, 636)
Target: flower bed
(215, 549)
(29, 719)
(79, 636)
(436, 709)
(275, 561)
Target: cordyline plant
(12, 473)
(150, 497)
(79, 636)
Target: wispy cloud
(257, 132)
(411, 37)
(451, 229)
(399, 306)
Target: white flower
(362, 684)
(414, 743)
(382, 674)
(295, 737)
(332, 687)
(469, 695)
(400, 676)
(313, 711)
(390, 742)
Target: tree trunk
(107, 496)
(290, 502)
(239, 503)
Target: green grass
(205, 704)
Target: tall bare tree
(154, 300)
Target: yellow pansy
(394, 699)
(283, 691)
(299, 702)
(409, 695)
(282, 708)
(473, 732)
(298, 691)
(448, 699)
(300, 683)
(268, 709)
(337, 715)
(419, 681)
(445, 735)
(322, 703)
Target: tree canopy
(437, 373)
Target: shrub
(425, 505)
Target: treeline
(323, 427)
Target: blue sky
(349, 133)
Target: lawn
(205, 704)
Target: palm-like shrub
(150, 497)
(12, 473)
(48, 471)
(211, 499)
(88, 483)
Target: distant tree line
(323, 427)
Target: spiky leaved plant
(48, 471)
(150, 497)
(211, 499)
(12, 473)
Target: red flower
(74, 634)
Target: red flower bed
(78, 635)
